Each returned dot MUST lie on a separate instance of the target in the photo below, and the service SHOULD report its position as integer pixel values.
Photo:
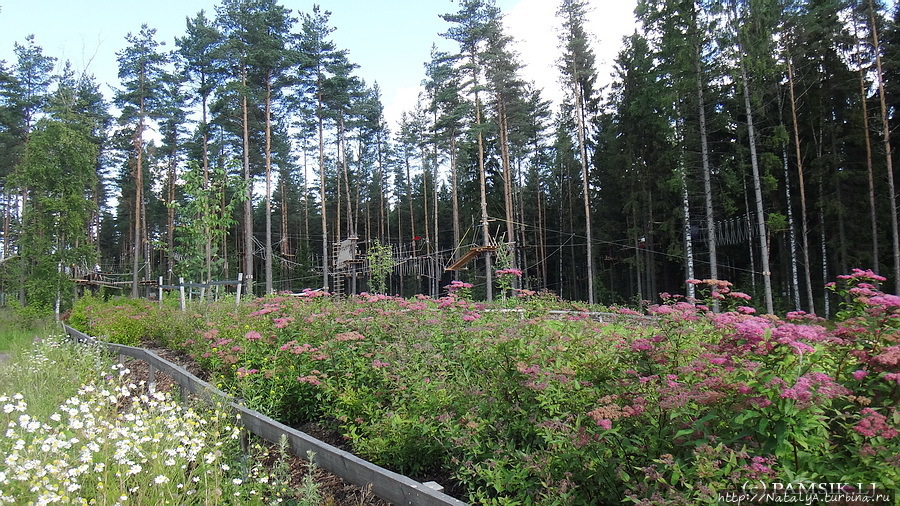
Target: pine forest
(740, 140)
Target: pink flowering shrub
(534, 406)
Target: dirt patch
(335, 490)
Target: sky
(389, 39)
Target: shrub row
(529, 408)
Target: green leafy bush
(549, 408)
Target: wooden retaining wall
(388, 485)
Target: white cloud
(534, 25)
(401, 99)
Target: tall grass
(16, 332)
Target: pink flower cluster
(349, 336)
(509, 272)
(266, 309)
(312, 293)
(456, 286)
(470, 316)
(310, 379)
(243, 372)
(874, 424)
(281, 323)
(813, 386)
(862, 274)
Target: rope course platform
(471, 254)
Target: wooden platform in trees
(469, 256)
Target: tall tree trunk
(7, 213)
(750, 249)
(519, 202)
(138, 144)
(688, 239)
(339, 191)
(436, 263)
(585, 181)
(454, 196)
(170, 219)
(409, 198)
(895, 236)
(707, 180)
(507, 175)
(482, 182)
(804, 232)
(792, 232)
(541, 236)
(686, 233)
(757, 189)
(305, 236)
(503, 128)
(248, 202)
(426, 218)
(269, 288)
(325, 253)
(384, 229)
(873, 213)
(285, 240)
(825, 280)
(205, 127)
(342, 143)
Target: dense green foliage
(530, 405)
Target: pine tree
(579, 74)
(33, 78)
(473, 25)
(886, 135)
(199, 50)
(507, 89)
(321, 58)
(172, 125)
(753, 44)
(141, 68)
(11, 139)
(448, 108)
(272, 56)
(238, 26)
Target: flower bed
(565, 409)
(113, 441)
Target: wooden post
(159, 285)
(59, 269)
(237, 299)
(181, 291)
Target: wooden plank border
(387, 485)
